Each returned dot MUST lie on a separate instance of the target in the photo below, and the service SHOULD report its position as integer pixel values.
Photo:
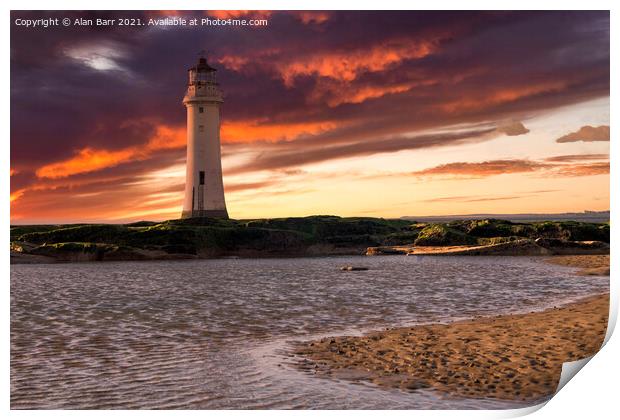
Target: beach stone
(413, 385)
(352, 268)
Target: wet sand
(591, 265)
(514, 357)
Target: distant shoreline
(586, 216)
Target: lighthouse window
(201, 109)
(202, 177)
(201, 128)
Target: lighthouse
(204, 188)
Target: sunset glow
(383, 114)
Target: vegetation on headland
(293, 236)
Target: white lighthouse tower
(204, 188)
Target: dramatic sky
(348, 113)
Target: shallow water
(214, 333)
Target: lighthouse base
(220, 214)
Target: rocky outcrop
(389, 250)
(85, 252)
(516, 247)
(562, 247)
(23, 258)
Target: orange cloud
(167, 138)
(348, 65)
(512, 166)
(236, 14)
(339, 94)
(71, 204)
(312, 17)
(586, 169)
(89, 159)
(233, 62)
(254, 130)
(501, 96)
(370, 92)
(86, 160)
(17, 194)
(225, 14)
(336, 92)
(337, 69)
(483, 169)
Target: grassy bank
(293, 236)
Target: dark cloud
(512, 166)
(472, 73)
(586, 169)
(577, 158)
(498, 198)
(515, 128)
(541, 191)
(289, 157)
(472, 199)
(483, 169)
(587, 133)
(450, 198)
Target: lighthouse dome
(202, 73)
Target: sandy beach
(589, 265)
(514, 357)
